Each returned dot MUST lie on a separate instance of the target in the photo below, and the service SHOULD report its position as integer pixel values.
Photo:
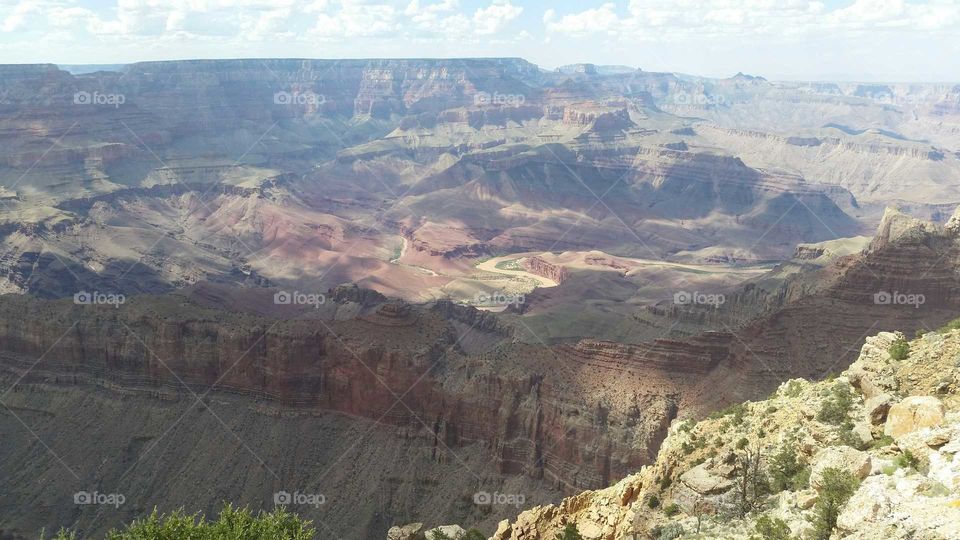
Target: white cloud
(15, 18)
(679, 19)
(441, 20)
(590, 21)
(357, 18)
(494, 18)
(414, 8)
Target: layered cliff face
(890, 423)
(186, 171)
(407, 369)
(540, 267)
(309, 173)
(568, 417)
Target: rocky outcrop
(842, 458)
(597, 117)
(913, 414)
(896, 226)
(538, 266)
(412, 531)
(697, 467)
(396, 363)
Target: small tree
(900, 349)
(785, 471)
(907, 460)
(835, 408)
(668, 532)
(671, 509)
(231, 523)
(700, 507)
(772, 528)
(751, 484)
(837, 486)
(474, 534)
(570, 532)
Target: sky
(848, 40)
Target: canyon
(444, 379)
(302, 247)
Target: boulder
(844, 458)
(862, 432)
(865, 508)
(591, 530)
(453, 531)
(899, 508)
(912, 414)
(701, 489)
(412, 531)
(806, 499)
(503, 529)
(704, 482)
(946, 469)
(872, 372)
(876, 408)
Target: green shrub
(884, 440)
(671, 510)
(232, 523)
(934, 489)
(900, 350)
(736, 411)
(570, 532)
(835, 408)
(793, 389)
(474, 534)
(665, 483)
(907, 460)
(837, 486)
(668, 532)
(786, 472)
(772, 528)
(742, 443)
(952, 325)
(653, 501)
(438, 535)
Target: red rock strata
(580, 416)
(538, 266)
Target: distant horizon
(801, 40)
(63, 65)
